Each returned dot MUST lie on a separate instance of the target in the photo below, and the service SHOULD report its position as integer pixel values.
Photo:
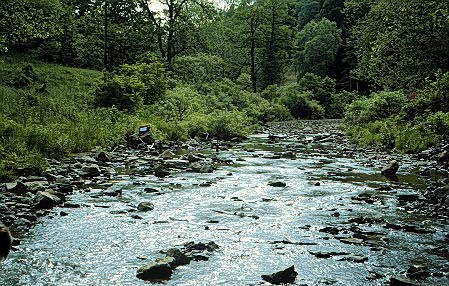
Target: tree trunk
(253, 64)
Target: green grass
(47, 112)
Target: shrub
(131, 85)
(151, 75)
(379, 132)
(173, 130)
(339, 103)
(124, 93)
(270, 93)
(410, 138)
(322, 88)
(179, 103)
(227, 125)
(300, 105)
(266, 111)
(23, 78)
(197, 125)
(244, 82)
(199, 69)
(377, 106)
(433, 98)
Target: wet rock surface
(285, 276)
(162, 268)
(80, 222)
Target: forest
(76, 74)
(224, 142)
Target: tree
(400, 43)
(278, 41)
(331, 9)
(247, 36)
(176, 24)
(25, 24)
(307, 11)
(353, 12)
(317, 47)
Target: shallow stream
(260, 229)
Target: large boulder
(179, 257)
(161, 172)
(176, 164)
(46, 200)
(277, 184)
(443, 158)
(102, 157)
(285, 276)
(401, 281)
(167, 154)
(390, 170)
(194, 158)
(145, 206)
(201, 167)
(158, 270)
(91, 170)
(5, 241)
(16, 187)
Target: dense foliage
(202, 69)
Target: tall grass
(47, 112)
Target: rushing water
(91, 246)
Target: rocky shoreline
(28, 198)
(31, 197)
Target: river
(333, 191)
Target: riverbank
(298, 192)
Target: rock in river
(161, 171)
(400, 281)
(102, 157)
(91, 170)
(390, 169)
(201, 167)
(5, 241)
(145, 206)
(278, 184)
(158, 270)
(45, 200)
(179, 257)
(285, 276)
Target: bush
(131, 85)
(299, 103)
(380, 132)
(179, 103)
(244, 82)
(227, 125)
(322, 88)
(197, 125)
(23, 78)
(124, 93)
(198, 69)
(34, 126)
(433, 98)
(340, 101)
(377, 106)
(410, 138)
(266, 111)
(173, 130)
(151, 75)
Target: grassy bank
(51, 111)
(404, 121)
(46, 112)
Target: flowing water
(260, 229)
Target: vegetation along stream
(306, 198)
(233, 143)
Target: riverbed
(337, 219)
